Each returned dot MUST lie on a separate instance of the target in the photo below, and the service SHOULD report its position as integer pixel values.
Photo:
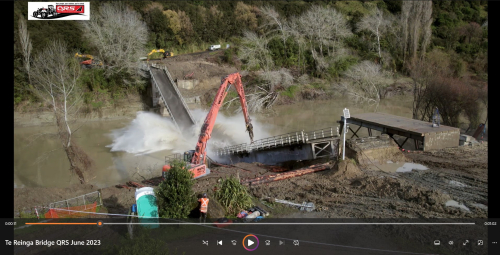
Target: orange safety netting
(72, 212)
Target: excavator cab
(188, 156)
(198, 170)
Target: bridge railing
(269, 142)
(280, 140)
(321, 133)
(175, 156)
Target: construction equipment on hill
(90, 62)
(198, 157)
(166, 54)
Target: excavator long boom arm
(206, 129)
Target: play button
(252, 242)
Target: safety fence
(83, 203)
(76, 207)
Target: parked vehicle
(214, 47)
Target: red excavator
(198, 157)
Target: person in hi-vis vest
(203, 207)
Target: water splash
(149, 133)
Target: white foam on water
(407, 167)
(149, 132)
(454, 203)
(485, 207)
(459, 184)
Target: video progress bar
(60, 223)
(253, 224)
(301, 223)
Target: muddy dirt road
(458, 174)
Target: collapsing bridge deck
(431, 137)
(295, 146)
(167, 90)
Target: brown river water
(41, 162)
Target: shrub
(233, 195)
(175, 194)
(453, 97)
(290, 91)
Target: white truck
(214, 47)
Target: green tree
(158, 23)
(233, 195)
(175, 194)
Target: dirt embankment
(345, 191)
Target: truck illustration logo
(58, 11)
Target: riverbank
(207, 69)
(455, 174)
(36, 116)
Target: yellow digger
(166, 54)
(90, 62)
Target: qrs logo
(70, 8)
(58, 11)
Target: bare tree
(55, 74)
(323, 28)
(422, 72)
(296, 33)
(254, 50)
(376, 24)
(366, 82)
(266, 93)
(26, 46)
(277, 23)
(281, 78)
(120, 35)
(416, 21)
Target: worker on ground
(203, 207)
